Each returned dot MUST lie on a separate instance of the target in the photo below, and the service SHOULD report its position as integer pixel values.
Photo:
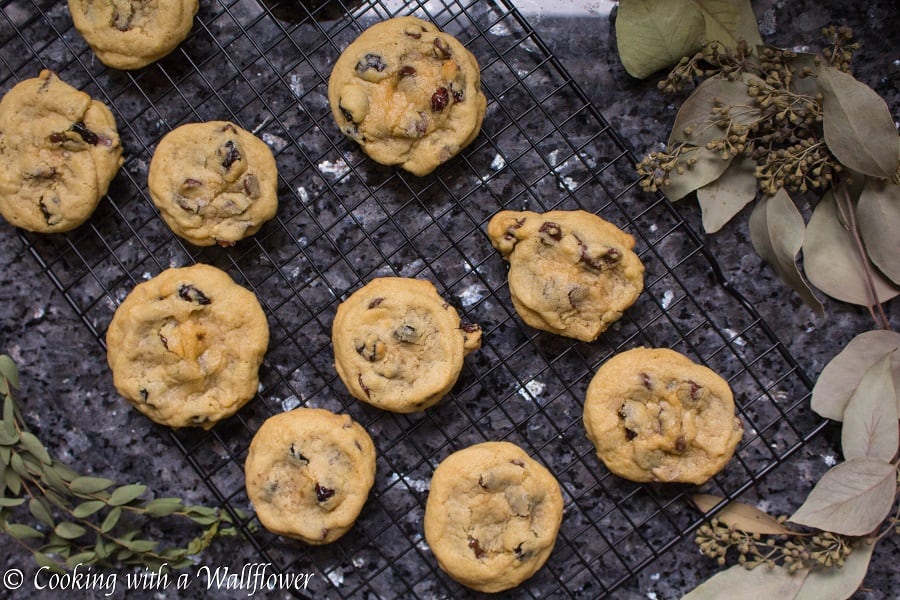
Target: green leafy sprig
(79, 519)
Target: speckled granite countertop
(73, 406)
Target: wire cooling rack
(344, 220)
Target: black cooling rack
(343, 220)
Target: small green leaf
(43, 560)
(8, 370)
(161, 507)
(126, 493)
(878, 214)
(722, 199)
(40, 510)
(65, 473)
(52, 479)
(10, 502)
(655, 34)
(12, 480)
(870, 420)
(694, 122)
(857, 124)
(140, 545)
(18, 465)
(31, 443)
(746, 584)
(87, 508)
(730, 20)
(111, 519)
(85, 558)
(777, 234)
(8, 434)
(832, 262)
(69, 530)
(22, 532)
(842, 374)
(828, 584)
(743, 517)
(90, 485)
(852, 498)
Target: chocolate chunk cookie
(570, 272)
(654, 415)
(398, 345)
(308, 474)
(59, 150)
(185, 347)
(130, 34)
(492, 516)
(213, 182)
(409, 94)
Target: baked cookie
(654, 415)
(409, 94)
(185, 347)
(130, 34)
(570, 272)
(213, 182)
(308, 474)
(492, 516)
(59, 150)
(398, 345)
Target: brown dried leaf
(696, 112)
(777, 234)
(655, 34)
(723, 198)
(878, 215)
(832, 262)
(743, 517)
(746, 584)
(837, 584)
(708, 168)
(870, 419)
(730, 20)
(857, 125)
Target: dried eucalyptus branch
(79, 519)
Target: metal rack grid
(343, 220)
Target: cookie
(492, 516)
(213, 182)
(130, 34)
(398, 345)
(308, 474)
(185, 347)
(59, 151)
(409, 94)
(570, 272)
(654, 415)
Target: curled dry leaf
(741, 516)
(832, 262)
(745, 584)
(722, 199)
(852, 498)
(777, 234)
(870, 419)
(696, 114)
(708, 167)
(838, 584)
(841, 376)
(655, 34)
(878, 214)
(857, 125)
(730, 20)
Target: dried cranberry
(323, 493)
(440, 99)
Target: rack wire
(343, 220)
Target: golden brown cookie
(570, 272)
(213, 182)
(398, 345)
(308, 474)
(409, 94)
(492, 516)
(130, 34)
(185, 347)
(654, 415)
(59, 151)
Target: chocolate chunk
(441, 49)
(406, 333)
(551, 230)
(230, 154)
(86, 134)
(364, 387)
(407, 71)
(520, 554)
(323, 493)
(375, 303)
(164, 340)
(297, 455)
(189, 293)
(144, 395)
(251, 186)
(371, 61)
(680, 445)
(600, 262)
(646, 382)
(346, 113)
(518, 462)
(509, 235)
(470, 327)
(476, 548)
(630, 434)
(481, 482)
(440, 99)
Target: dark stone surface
(69, 401)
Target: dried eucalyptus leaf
(694, 121)
(709, 166)
(90, 485)
(655, 34)
(838, 584)
(777, 234)
(8, 371)
(743, 517)
(746, 584)
(857, 125)
(126, 493)
(852, 498)
(40, 510)
(870, 419)
(841, 376)
(730, 20)
(722, 199)
(832, 262)
(878, 215)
